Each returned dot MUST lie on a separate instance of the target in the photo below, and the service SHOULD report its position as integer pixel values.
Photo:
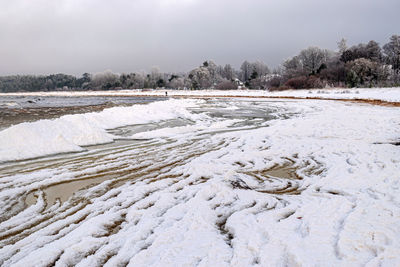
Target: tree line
(362, 65)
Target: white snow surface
(208, 191)
(383, 94)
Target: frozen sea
(201, 182)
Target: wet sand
(15, 110)
(12, 116)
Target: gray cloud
(76, 36)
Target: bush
(274, 82)
(304, 82)
(280, 88)
(226, 85)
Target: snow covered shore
(382, 94)
(215, 182)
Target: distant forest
(362, 65)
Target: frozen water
(233, 182)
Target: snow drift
(70, 132)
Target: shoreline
(373, 96)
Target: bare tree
(213, 70)
(245, 70)
(200, 78)
(292, 67)
(312, 59)
(342, 45)
(392, 51)
(229, 72)
(105, 80)
(260, 68)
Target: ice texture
(70, 132)
(265, 183)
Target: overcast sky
(77, 36)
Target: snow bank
(69, 133)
